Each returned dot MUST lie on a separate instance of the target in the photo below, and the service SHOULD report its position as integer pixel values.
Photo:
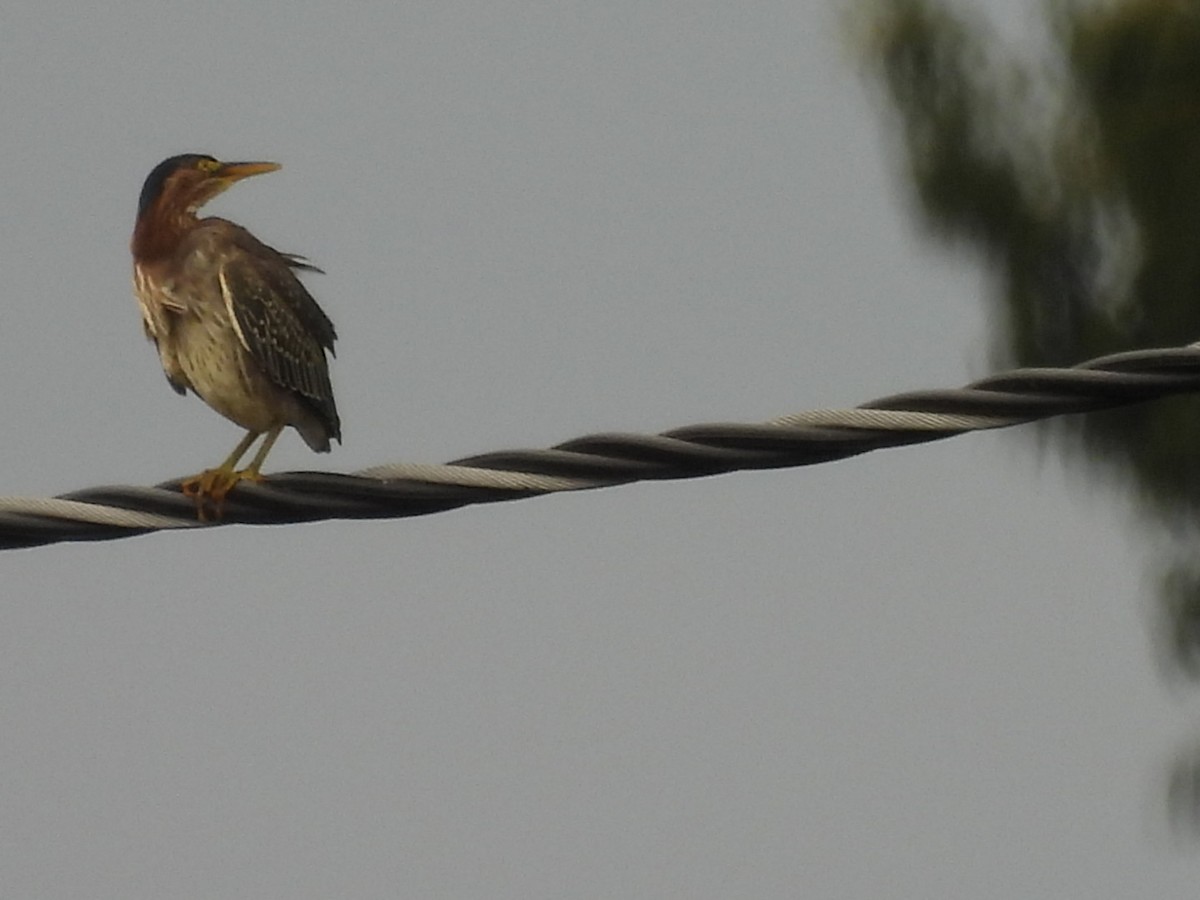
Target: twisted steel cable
(607, 459)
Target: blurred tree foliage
(1077, 176)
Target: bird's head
(179, 186)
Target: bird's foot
(210, 488)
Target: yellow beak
(236, 171)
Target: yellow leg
(210, 488)
(239, 451)
(252, 470)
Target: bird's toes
(209, 489)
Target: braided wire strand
(608, 459)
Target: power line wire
(608, 459)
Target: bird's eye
(208, 165)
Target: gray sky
(920, 673)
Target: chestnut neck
(159, 233)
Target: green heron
(231, 320)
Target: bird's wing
(278, 267)
(296, 261)
(283, 329)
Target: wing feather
(282, 328)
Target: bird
(231, 320)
